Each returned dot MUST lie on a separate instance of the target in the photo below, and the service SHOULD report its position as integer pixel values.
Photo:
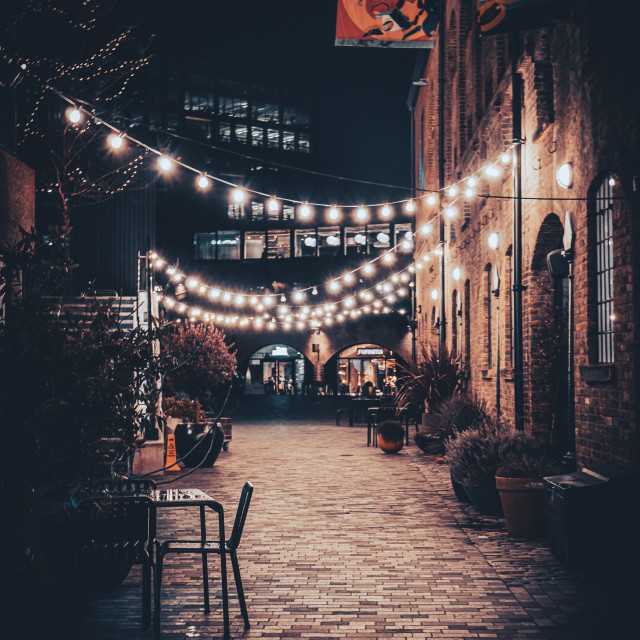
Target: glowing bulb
(472, 182)
(333, 241)
(272, 205)
(505, 158)
(410, 207)
(115, 141)
(612, 181)
(426, 229)
(226, 297)
(191, 283)
(387, 287)
(361, 214)
(314, 291)
(349, 302)
(437, 251)
(214, 294)
(74, 114)
(385, 212)
(165, 163)
(239, 300)
(203, 182)
(334, 214)
(406, 245)
(310, 241)
(238, 195)
(491, 171)
(383, 238)
(493, 240)
(268, 301)
(431, 200)
(388, 257)
(334, 286)
(348, 277)
(469, 192)
(304, 212)
(450, 212)
(368, 269)
(452, 191)
(456, 273)
(298, 296)
(360, 238)
(434, 294)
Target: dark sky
(361, 115)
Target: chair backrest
(241, 516)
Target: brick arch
(541, 339)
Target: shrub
(475, 455)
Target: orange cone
(171, 461)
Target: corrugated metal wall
(107, 237)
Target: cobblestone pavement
(343, 541)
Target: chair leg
(239, 588)
(205, 570)
(156, 594)
(146, 594)
(225, 595)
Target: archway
(546, 343)
(276, 369)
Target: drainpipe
(516, 102)
(442, 322)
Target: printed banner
(378, 23)
(504, 16)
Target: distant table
(359, 406)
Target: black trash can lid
(608, 472)
(572, 481)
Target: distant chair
(204, 547)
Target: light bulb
(238, 195)
(361, 214)
(452, 191)
(612, 181)
(203, 182)
(456, 273)
(310, 241)
(385, 212)
(334, 214)
(382, 238)
(450, 212)
(348, 277)
(272, 205)
(191, 283)
(410, 207)
(426, 229)
(434, 294)
(360, 238)
(469, 192)
(368, 269)
(388, 257)
(298, 296)
(314, 291)
(431, 200)
(115, 141)
(334, 286)
(505, 158)
(165, 163)
(304, 211)
(333, 241)
(74, 114)
(493, 240)
(491, 171)
(472, 182)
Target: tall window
(604, 270)
(489, 340)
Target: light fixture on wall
(564, 175)
(493, 240)
(456, 274)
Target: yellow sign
(171, 461)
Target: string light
(304, 211)
(334, 214)
(431, 200)
(74, 114)
(362, 214)
(165, 163)
(238, 195)
(203, 182)
(386, 212)
(115, 141)
(410, 206)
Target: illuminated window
(303, 143)
(288, 141)
(254, 245)
(257, 210)
(403, 238)
(273, 138)
(241, 133)
(355, 240)
(329, 241)
(228, 245)
(224, 131)
(378, 237)
(279, 244)
(257, 136)
(604, 271)
(306, 242)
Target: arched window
(604, 270)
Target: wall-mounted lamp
(456, 274)
(564, 175)
(493, 240)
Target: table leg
(205, 570)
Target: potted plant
(390, 436)
(519, 482)
(423, 388)
(473, 457)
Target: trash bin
(586, 512)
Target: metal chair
(221, 547)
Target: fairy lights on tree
(53, 47)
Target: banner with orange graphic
(387, 23)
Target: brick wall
(580, 106)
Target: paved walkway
(343, 541)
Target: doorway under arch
(276, 369)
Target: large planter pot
(389, 446)
(485, 497)
(431, 445)
(458, 489)
(523, 505)
(205, 453)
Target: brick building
(576, 97)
